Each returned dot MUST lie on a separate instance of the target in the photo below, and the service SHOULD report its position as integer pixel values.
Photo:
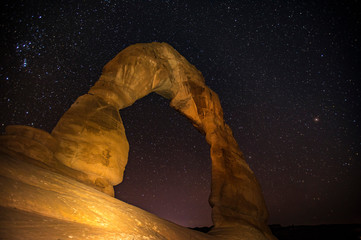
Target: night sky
(287, 73)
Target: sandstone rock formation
(89, 145)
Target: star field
(287, 74)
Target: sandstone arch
(92, 138)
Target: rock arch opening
(169, 169)
(91, 136)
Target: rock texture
(91, 139)
(89, 145)
(40, 204)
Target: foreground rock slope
(66, 178)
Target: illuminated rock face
(38, 204)
(90, 146)
(91, 139)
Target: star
(316, 119)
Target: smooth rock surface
(37, 203)
(40, 204)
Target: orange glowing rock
(88, 146)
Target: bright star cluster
(287, 74)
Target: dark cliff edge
(311, 232)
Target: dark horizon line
(294, 225)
